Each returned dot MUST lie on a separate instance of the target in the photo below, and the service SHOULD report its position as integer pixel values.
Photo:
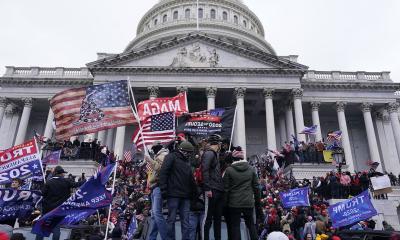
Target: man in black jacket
(213, 186)
(56, 191)
(177, 185)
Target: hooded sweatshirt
(241, 185)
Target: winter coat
(176, 177)
(155, 165)
(241, 185)
(211, 169)
(56, 191)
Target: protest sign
(352, 210)
(22, 162)
(84, 202)
(17, 203)
(381, 185)
(295, 197)
(177, 104)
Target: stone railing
(347, 76)
(37, 72)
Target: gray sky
(350, 35)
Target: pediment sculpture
(195, 56)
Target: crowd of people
(209, 184)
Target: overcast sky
(347, 35)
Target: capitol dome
(230, 20)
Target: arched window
(245, 23)
(235, 19)
(165, 18)
(213, 14)
(225, 16)
(155, 21)
(201, 13)
(175, 16)
(187, 13)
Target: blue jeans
(195, 219)
(158, 222)
(183, 205)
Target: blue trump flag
(352, 210)
(17, 203)
(84, 202)
(295, 197)
(132, 228)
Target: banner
(352, 210)
(177, 104)
(382, 182)
(204, 123)
(22, 162)
(17, 203)
(295, 197)
(91, 196)
(80, 111)
(52, 158)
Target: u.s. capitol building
(227, 61)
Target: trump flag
(17, 203)
(295, 197)
(22, 162)
(84, 202)
(91, 109)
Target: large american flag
(159, 128)
(334, 136)
(91, 109)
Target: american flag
(128, 156)
(159, 128)
(310, 130)
(334, 136)
(87, 110)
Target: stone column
(282, 129)
(315, 119)
(48, 131)
(109, 139)
(298, 112)
(289, 122)
(119, 142)
(270, 120)
(394, 119)
(240, 125)
(3, 105)
(211, 94)
(154, 91)
(23, 124)
(340, 108)
(101, 137)
(369, 126)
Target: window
(213, 14)
(187, 13)
(245, 23)
(200, 13)
(175, 17)
(155, 21)
(165, 18)
(235, 19)
(225, 16)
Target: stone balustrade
(347, 76)
(56, 72)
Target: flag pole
(41, 165)
(112, 193)
(135, 112)
(233, 128)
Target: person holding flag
(56, 191)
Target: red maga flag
(177, 105)
(87, 110)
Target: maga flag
(91, 196)
(204, 123)
(177, 105)
(91, 109)
(17, 203)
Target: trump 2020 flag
(352, 210)
(295, 198)
(84, 202)
(52, 158)
(91, 109)
(17, 203)
(22, 162)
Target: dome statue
(230, 20)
